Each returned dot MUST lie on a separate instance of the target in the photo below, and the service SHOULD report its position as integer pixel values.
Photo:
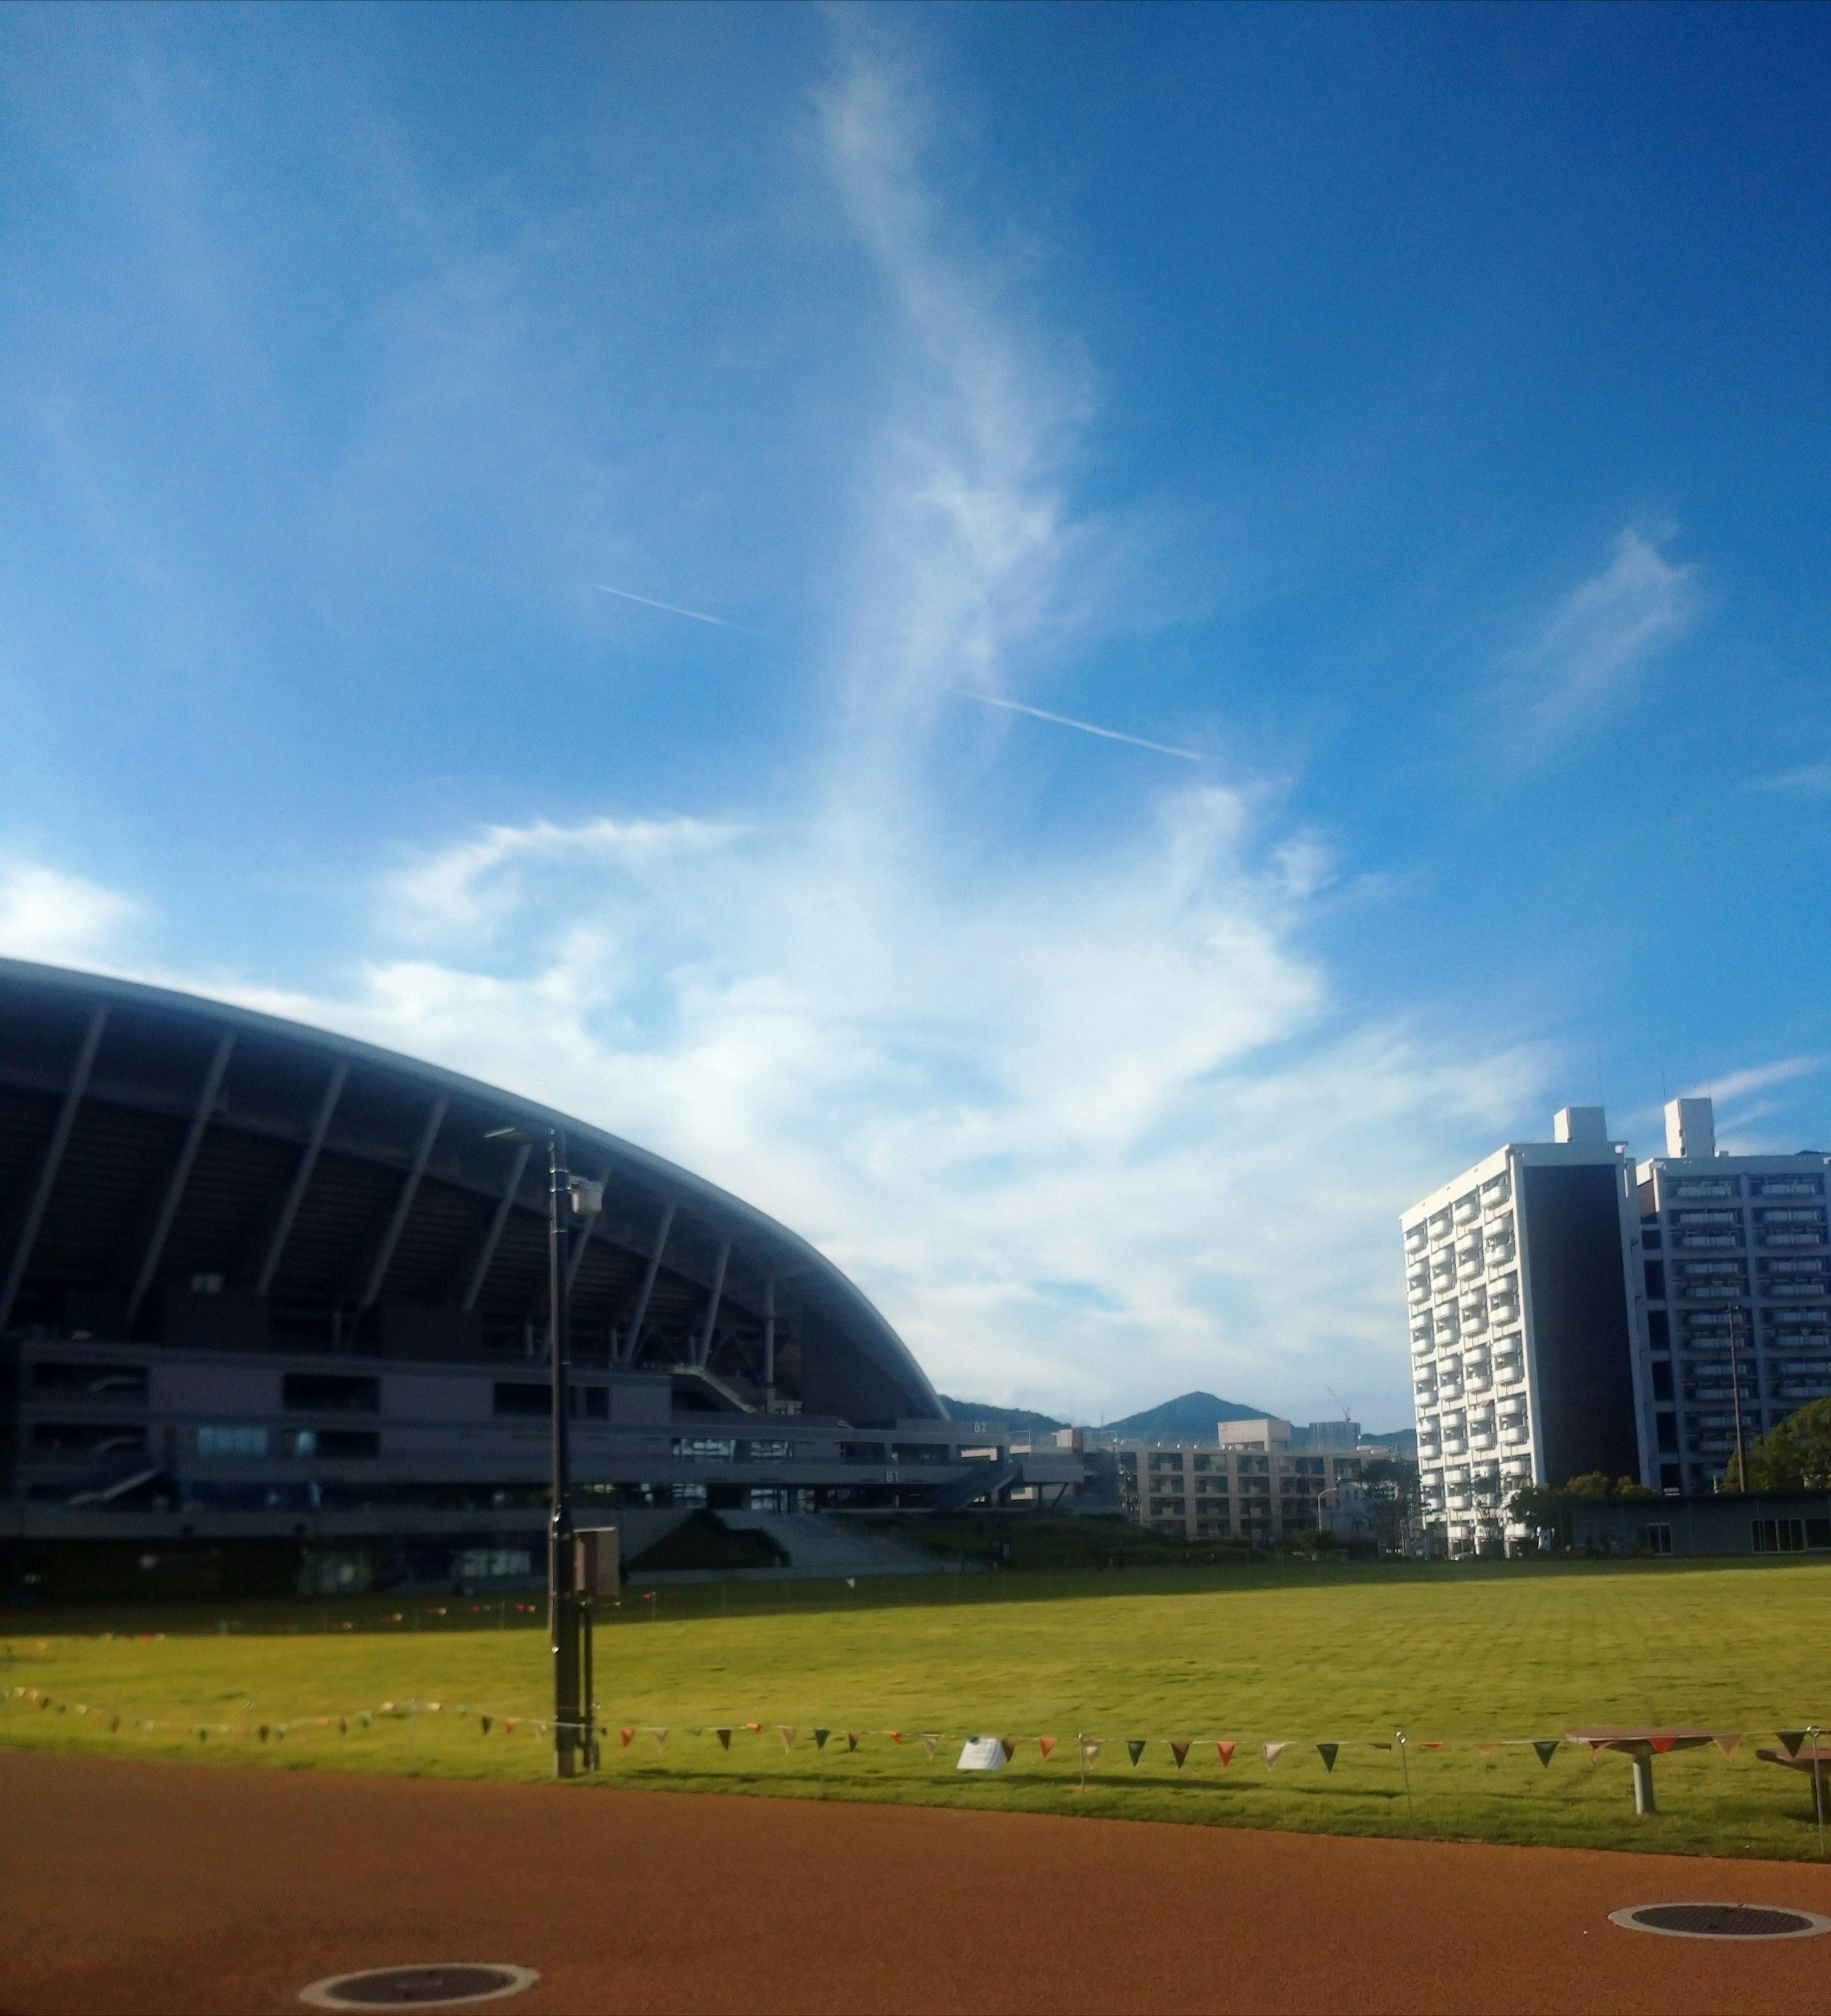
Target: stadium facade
(261, 1283)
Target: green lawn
(1456, 1655)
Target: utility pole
(569, 1617)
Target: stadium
(263, 1284)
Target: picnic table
(1642, 1745)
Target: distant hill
(1402, 1441)
(1190, 1414)
(999, 1417)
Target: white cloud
(1811, 780)
(58, 919)
(1588, 654)
(1756, 1077)
(1084, 1118)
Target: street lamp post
(569, 1617)
(1734, 1308)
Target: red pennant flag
(1660, 1744)
(1427, 1746)
(755, 1728)
(1046, 1744)
(1180, 1752)
(895, 1735)
(1225, 1752)
(509, 1723)
(628, 1733)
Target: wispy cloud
(1757, 1077)
(1588, 655)
(674, 609)
(1086, 727)
(1810, 780)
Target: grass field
(1457, 1655)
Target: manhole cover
(1722, 1921)
(418, 1987)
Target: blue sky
(1417, 418)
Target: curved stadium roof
(154, 1145)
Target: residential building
(1733, 1264)
(1249, 1483)
(1529, 1345)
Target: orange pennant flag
(755, 1728)
(1660, 1744)
(509, 1723)
(628, 1733)
(895, 1735)
(1045, 1744)
(1486, 1749)
(1225, 1752)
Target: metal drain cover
(438, 1987)
(1722, 1921)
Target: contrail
(1086, 727)
(674, 609)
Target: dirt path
(149, 1888)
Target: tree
(1794, 1456)
(1596, 1484)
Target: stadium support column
(180, 1175)
(768, 1344)
(486, 1252)
(404, 1203)
(34, 1213)
(295, 1194)
(633, 1343)
(704, 1357)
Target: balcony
(1792, 1238)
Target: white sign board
(982, 1753)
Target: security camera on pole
(569, 1582)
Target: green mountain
(1190, 1414)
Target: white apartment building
(1734, 1262)
(1248, 1484)
(1529, 1340)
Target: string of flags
(993, 1750)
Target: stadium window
(522, 1397)
(1659, 1539)
(705, 1448)
(243, 1444)
(780, 1453)
(868, 1452)
(119, 1382)
(1818, 1532)
(93, 1438)
(342, 1444)
(330, 1393)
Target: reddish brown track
(135, 1887)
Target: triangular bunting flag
(1486, 1749)
(755, 1728)
(1046, 1744)
(696, 1732)
(1089, 1749)
(265, 1731)
(1180, 1752)
(851, 1737)
(1660, 1744)
(1546, 1751)
(1327, 1752)
(895, 1735)
(928, 1743)
(1727, 1742)
(1427, 1746)
(1376, 1745)
(1273, 1752)
(1225, 1751)
(820, 1736)
(484, 1722)
(1008, 1745)
(724, 1736)
(628, 1733)
(787, 1736)
(1793, 1738)
(1135, 1749)
(509, 1723)
(660, 1737)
